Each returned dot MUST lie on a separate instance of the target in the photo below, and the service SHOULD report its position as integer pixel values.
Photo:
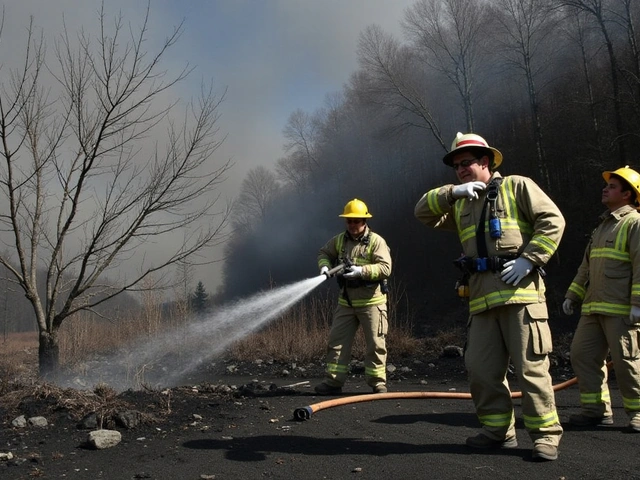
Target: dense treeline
(555, 85)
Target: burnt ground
(237, 421)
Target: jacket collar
(619, 213)
(361, 237)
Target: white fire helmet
(468, 140)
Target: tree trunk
(48, 355)
(592, 101)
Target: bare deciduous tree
(629, 12)
(578, 30)
(449, 35)
(524, 29)
(601, 12)
(301, 135)
(84, 184)
(259, 189)
(390, 80)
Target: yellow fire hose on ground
(304, 413)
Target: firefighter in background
(608, 286)
(362, 301)
(509, 229)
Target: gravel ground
(239, 423)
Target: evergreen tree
(199, 299)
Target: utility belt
(468, 266)
(483, 264)
(345, 283)
(358, 282)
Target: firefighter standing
(608, 286)
(362, 300)
(509, 228)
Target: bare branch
(96, 167)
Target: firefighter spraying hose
(360, 259)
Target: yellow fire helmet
(355, 209)
(629, 175)
(468, 140)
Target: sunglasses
(464, 163)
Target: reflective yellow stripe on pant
(346, 321)
(495, 336)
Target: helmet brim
(497, 156)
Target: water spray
(170, 356)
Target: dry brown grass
(435, 345)
(84, 334)
(298, 335)
(16, 342)
(18, 358)
(102, 400)
(301, 335)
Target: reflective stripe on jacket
(532, 227)
(608, 279)
(372, 254)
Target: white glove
(568, 306)
(634, 316)
(516, 270)
(469, 190)
(324, 270)
(353, 272)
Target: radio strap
(481, 240)
(490, 198)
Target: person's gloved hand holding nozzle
(353, 271)
(324, 270)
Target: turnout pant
(346, 320)
(519, 333)
(595, 336)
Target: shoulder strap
(340, 246)
(493, 190)
(481, 241)
(370, 243)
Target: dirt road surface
(200, 435)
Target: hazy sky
(273, 56)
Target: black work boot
(634, 424)
(324, 389)
(544, 451)
(380, 388)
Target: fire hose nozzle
(302, 413)
(334, 270)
